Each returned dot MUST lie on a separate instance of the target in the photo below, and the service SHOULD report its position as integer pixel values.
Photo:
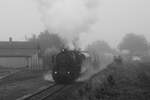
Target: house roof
(17, 45)
(17, 49)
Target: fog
(22, 18)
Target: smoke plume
(68, 18)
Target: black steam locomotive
(67, 66)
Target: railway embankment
(54, 92)
(126, 81)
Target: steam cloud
(69, 18)
(94, 64)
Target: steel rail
(57, 93)
(42, 93)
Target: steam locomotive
(67, 66)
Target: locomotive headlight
(68, 72)
(55, 72)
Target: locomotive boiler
(67, 66)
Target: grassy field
(119, 81)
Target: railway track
(47, 93)
(7, 74)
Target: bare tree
(46, 40)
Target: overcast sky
(20, 18)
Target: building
(16, 54)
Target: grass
(126, 81)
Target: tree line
(135, 45)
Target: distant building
(19, 54)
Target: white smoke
(68, 18)
(94, 64)
(48, 76)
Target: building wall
(13, 62)
(33, 62)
